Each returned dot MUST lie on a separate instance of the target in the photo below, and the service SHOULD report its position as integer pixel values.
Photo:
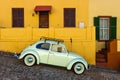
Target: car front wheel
(29, 60)
(78, 68)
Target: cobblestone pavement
(13, 69)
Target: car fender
(71, 63)
(26, 52)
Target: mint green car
(53, 52)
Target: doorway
(43, 19)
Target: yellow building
(23, 22)
(29, 12)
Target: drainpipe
(71, 43)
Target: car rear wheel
(78, 68)
(29, 60)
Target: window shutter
(69, 17)
(113, 23)
(18, 17)
(97, 25)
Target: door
(43, 50)
(44, 19)
(58, 56)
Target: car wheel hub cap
(78, 68)
(30, 59)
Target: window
(105, 28)
(69, 17)
(18, 17)
(44, 46)
(44, 19)
(58, 48)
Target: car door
(58, 55)
(43, 50)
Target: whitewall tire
(29, 60)
(78, 68)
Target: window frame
(38, 46)
(112, 27)
(69, 17)
(63, 48)
(103, 28)
(18, 17)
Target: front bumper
(16, 55)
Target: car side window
(58, 48)
(44, 46)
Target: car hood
(74, 55)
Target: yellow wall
(56, 14)
(83, 40)
(16, 39)
(105, 8)
(118, 45)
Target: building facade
(31, 13)
(87, 27)
(104, 15)
(23, 22)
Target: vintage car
(53, 52)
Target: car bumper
(16, 55)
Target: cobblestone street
(13, 69)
